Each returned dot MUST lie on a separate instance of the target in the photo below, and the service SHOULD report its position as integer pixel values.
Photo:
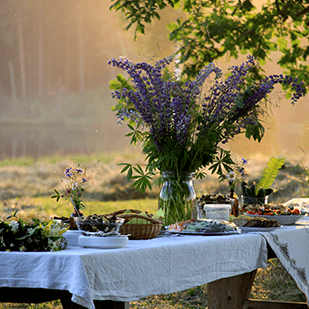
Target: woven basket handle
(135, 214)
(128, 217)
(119, 212)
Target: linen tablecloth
(291, 246)
(145, 267)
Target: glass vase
(77, 212)
(234, 203)
(178, 198)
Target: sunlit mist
(54, 81)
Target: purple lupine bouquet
(184, 128)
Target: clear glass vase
(178, 198)
(77, 212)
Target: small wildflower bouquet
(76, 183)
(182, 128)
(235, 176)
(25, 234)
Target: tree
(213, 28)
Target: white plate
(282, 219)
(259, 229)
(108, 242)
(233, 232)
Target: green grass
(48, 206)
(48, 305)
(63, 208)
(25, 161)
(106, 157)
(81, 159)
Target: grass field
(26, 186)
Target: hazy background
(54, 80)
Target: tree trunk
(40, 52)
(21, 52)
(13, 85)
(81, 54)
(67, 66)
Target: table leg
(230, 293)
(233, 293)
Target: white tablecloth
(145, 267)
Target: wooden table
(228, 286)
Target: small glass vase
(77, 212)
(178, 198)
(234, 201)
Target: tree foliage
(211, 29)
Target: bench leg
(272, 304)
(99, 304)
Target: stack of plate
(72, 237)
(106, 242)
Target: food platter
(283, 219)
(204, 227)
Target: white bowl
(283, 219)
(72, 237)
(107, 242)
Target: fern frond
(270, 172)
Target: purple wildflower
(68, 172)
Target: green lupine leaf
(128, 168)
(269, 173)
(138, 169)
(127, 165)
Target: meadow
(27, 185)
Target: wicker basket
(138, 231)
